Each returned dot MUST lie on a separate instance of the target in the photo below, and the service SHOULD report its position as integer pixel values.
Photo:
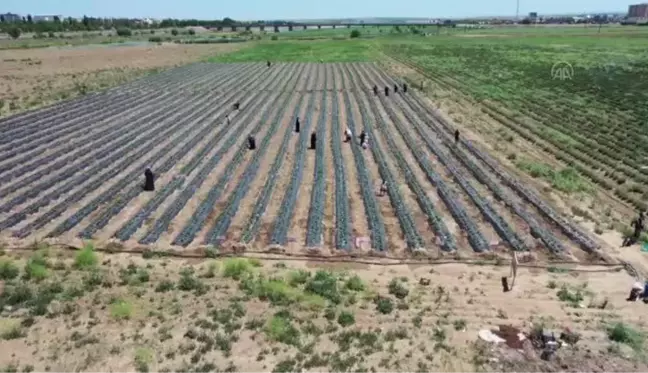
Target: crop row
(314, 230)
(284, 218)
(260, 101)
(223, 221)
(197, 220)
(536, 229)
(342, 215)
(412, 235)
(65, 146)
(135, 223)
(127, 182)
(253, 224)
(566, 226)
(74, 107)
(375, 221)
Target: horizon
(295, 10)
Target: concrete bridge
(304, 26)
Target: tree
(192, 31)
(2, 19)
(174, 32)
(355, 33)
(14, 32)
(30, 19)
(124, 32)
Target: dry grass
(30, 78)
(122, 312)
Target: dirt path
(299, 222)
(330, 218)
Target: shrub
(121, 309)
(398, 289)
(346, 318)
(355, 34)
(164, 286)
(14, 32)
(280, 329)
(36, 267)
(8, 270)
(86, 258)
(384, 305)
(324, 284)
(274, 37)
(192, 31)
(155, 39)
(51, 35)
(174, 32)
(355, 284)
(237, 267)
(623, 333)
(124, 32)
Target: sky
(300, 9)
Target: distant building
(638, 11)
(45, 18)
(10, 17)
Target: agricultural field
(63, 180)
(591, 122)
(31, 78)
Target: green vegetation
(590, 120)
(623, 333)
(303, 51)
(567, 179)
(86, 258)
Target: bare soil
(30, 78)
(86, 311)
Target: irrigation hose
(273, 255)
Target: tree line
(63, 24)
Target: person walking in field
(395, 88)
(297, 124)
(227, 118)
(638, 225)
(386, 91)
(456, 136)
(375, 89)
(383, 189)
(347, 135)
(404, 87)
(363, 137)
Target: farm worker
(638, 225)
(268, 63)
(375, 89)
(383, 188)
(363, 137)
(237, 105)
(228, 120)
(149, 183)
(395, 88)
(386, 91)
(456, 136)
(313, 140)
(404, 87)
(297, 125)
(251, 142)
(347, 135)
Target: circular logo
(562, 70)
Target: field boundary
(273, 255)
